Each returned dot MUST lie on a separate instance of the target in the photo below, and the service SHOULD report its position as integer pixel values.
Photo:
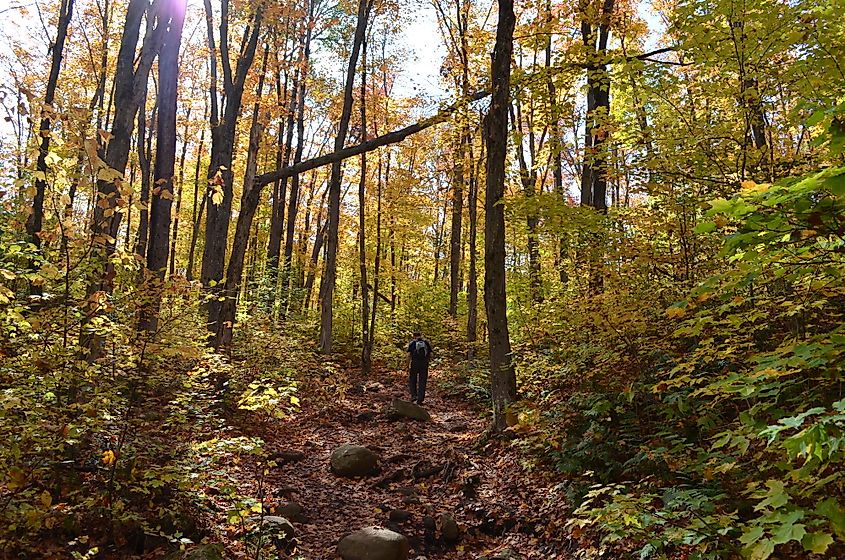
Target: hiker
(419, 354)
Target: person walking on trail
(419, 354)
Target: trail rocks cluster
(373, 477)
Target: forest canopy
(621, 225)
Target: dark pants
(417, 380)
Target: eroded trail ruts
(443, 466)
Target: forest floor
(447, 465)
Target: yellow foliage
(109, 457)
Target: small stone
(409, 500)
(201, 552)
(455, 427)
(429, 523)
(449, 528)
(424, 469)
(292, 511)
(373, 543)
(374, 387)
(284, 490)
(350, 460)
(398, 407)
(283, 457)
(506, 554)
(365, 416)
(399, 515)
(407, 490)
(277, 528)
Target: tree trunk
(555, 150)
(455, 234)
(328, 281)
(377, 261)
(249, 204)
(196, 213)
(319, 240)
(528, 178)
(502, 375)
(221, 190)
(144, 147)
(175, 237)
(173, 15)
(293, 204)
(594, 167)
(277, 219)
(35, 220)
(362, 231)
(129, 86)
(472, 283)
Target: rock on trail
(350, 460)
(373, 543)
(398, 408)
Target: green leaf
(831, 509)
(752, 535)
(836, 184)
(775, 497)
(816, 542)
(789, 532)
(816, 118)
(762, 550)
(705, 227)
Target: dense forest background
(624, 232)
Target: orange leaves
(675, 312)
(109, 457)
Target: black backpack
(420, 350)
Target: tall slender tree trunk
(249, 204)
(594, 167)
(196, 212)
(277, 222)
(144, 147)
(459, 180)
(328, 281)
(362, 230)
(319, 242)
(293, 204)
(175, 237)
(377, 260)
(528, 178)
(173, 16)
(221, 178)
(391, 235)
(472, 282)
(555, 149)
(502, 375)
(35, 220)
(129, 86)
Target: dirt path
(426, 469)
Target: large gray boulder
(373, 543)
(449, 528)
(398, 407)
(353, 460)
(274, 528)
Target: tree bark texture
(502, 375)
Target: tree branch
(368, 146)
